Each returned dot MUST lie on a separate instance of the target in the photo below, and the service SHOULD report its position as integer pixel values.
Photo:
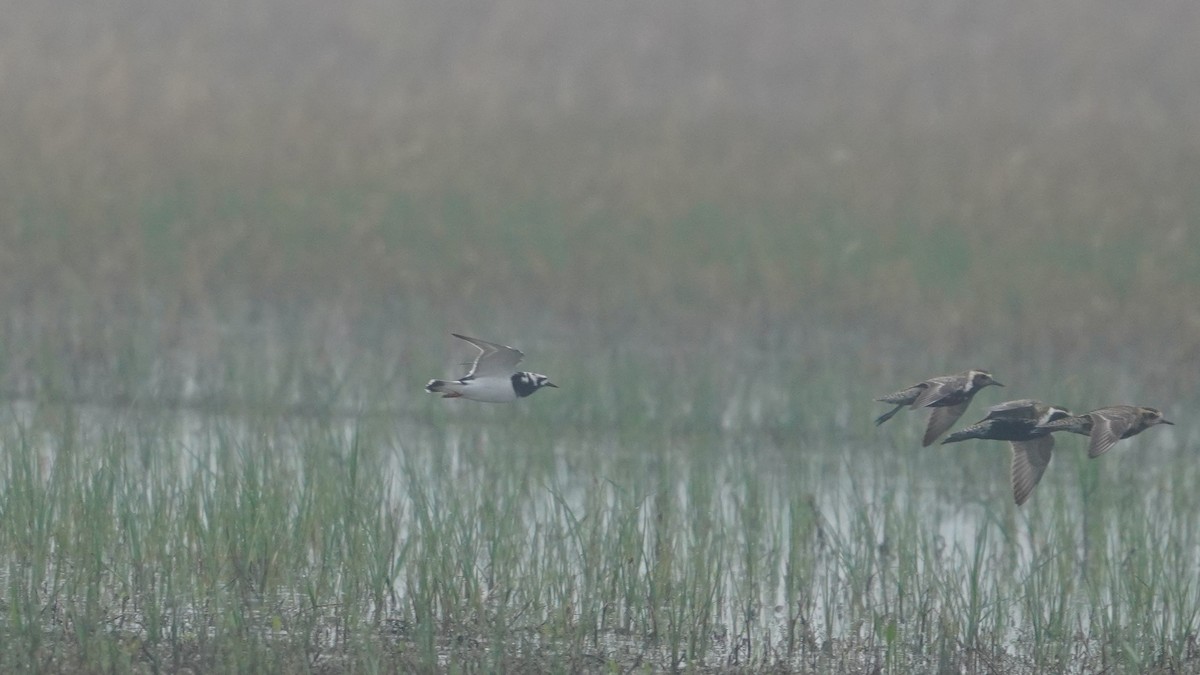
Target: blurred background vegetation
(927, 175)
(245, 229)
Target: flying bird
(493, 377)
(1106, 426)
(948, 396)
(1018, 423)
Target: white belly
(488, 390)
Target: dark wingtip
(887, 415)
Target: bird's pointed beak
(550, 384)
(1167, 421)
(998, 384)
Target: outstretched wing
(941, 419)
(1109, 425)
(1029, 462)
(493, 359)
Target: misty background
(935, 172)
(235, 238)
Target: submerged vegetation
(226, 273)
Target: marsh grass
(734, 529)
(229, 265)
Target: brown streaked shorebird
(1018, 422)
(1106, 426)
(948, 395)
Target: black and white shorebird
(1018, 423)
(493, 377)
(1106, 426)
(948, 396)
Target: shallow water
(742, 525)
